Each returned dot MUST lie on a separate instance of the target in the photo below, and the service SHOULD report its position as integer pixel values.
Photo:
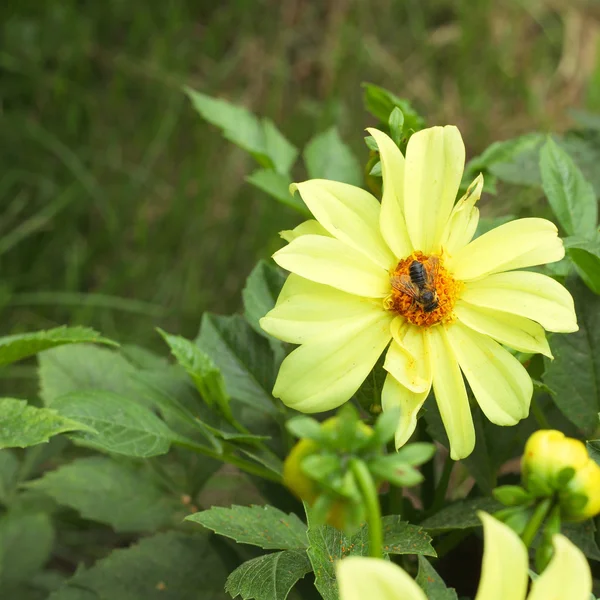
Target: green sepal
(512, 495)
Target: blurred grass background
(121, 209)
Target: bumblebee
(419, 284)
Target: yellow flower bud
(587, 482)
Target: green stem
(371, 499)
(539, 415)
(539, 515)
(442, 486)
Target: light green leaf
(17, 347)
(278, 186)
(327, 157)
(26, 541)
(258, 137)
(264, 526)
(244, 357)
(571, 197)
(585, 255)
(22, 425)
(124, 496)
(400, 537)
(167, 566)
(432, 584)
(574, 374)
(381, 102)
(123, 426)
(459, 515)
(268, 577)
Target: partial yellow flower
(352, 294)
(503, 574)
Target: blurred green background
(121, 209)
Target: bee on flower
(405, 277)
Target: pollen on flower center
(424, 293)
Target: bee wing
(432, 265)
(403, 283)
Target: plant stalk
(537, 519)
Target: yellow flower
(503, 573)
(353, 271)
(546, 454)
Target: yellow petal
(395, 395)
(349, 214)
(435, 159)
(514, 245)
(391, 219)
(310, 227)
(567, 576)
(306, 309)
(463, 221)
(329, 261)
(587, 481)
(326, 371)
(504, 566)
(511, 330)
(450, 394)
(360, 578)
(531, 295)
(500, 383)
(407, 358)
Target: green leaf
(263, 526)
(327, 157)
(381, 102)
(17, 347)
(9, 468)
(571, 197)
(574, 374)
(121, 495)
(400, 537)
(269, 577)
(278, 186)
(396, 124)
(167, 566)
(460, 515)
(593, 448)
(22, 425)
(583, 535)
(244, 357)
(26, 541)
(257, 136)
(261, 291)
(122, 425)
(585, 255)
(432, 584)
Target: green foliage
(381, 103)
(278, 186)
(263, 526)
(432, 584)
(585, 254)
(459, 515)
(22, 425)
(268, 577)
(400, 537)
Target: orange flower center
(423, 291)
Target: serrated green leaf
(269, 577)
(278, 186)
(122, 425)
(17, 347)
(264, 526)
(22, 425)
(574, 374)
(571, 197)
(400, 537)
(327, 157)
(124, 496)
(583, 535)
(26, 541)
(257, 136)
(460, 515)
(432, 584)
(244, 357)
(167, 566)
(585, 254)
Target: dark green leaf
(167, 566)
(571, 197)
(327, 157)
(22, 425)
(584, 536)
(269, 577)
(244, 357)
(585, 255)
(17, 347)
(9, 468)
(123, 496)
(400, 537)
(258, 137)
(460, 515)
(278, 186)
(593, 447)
(263, 526)
(574, 374)
(123, 426)
(432, 584)
(381, 102)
